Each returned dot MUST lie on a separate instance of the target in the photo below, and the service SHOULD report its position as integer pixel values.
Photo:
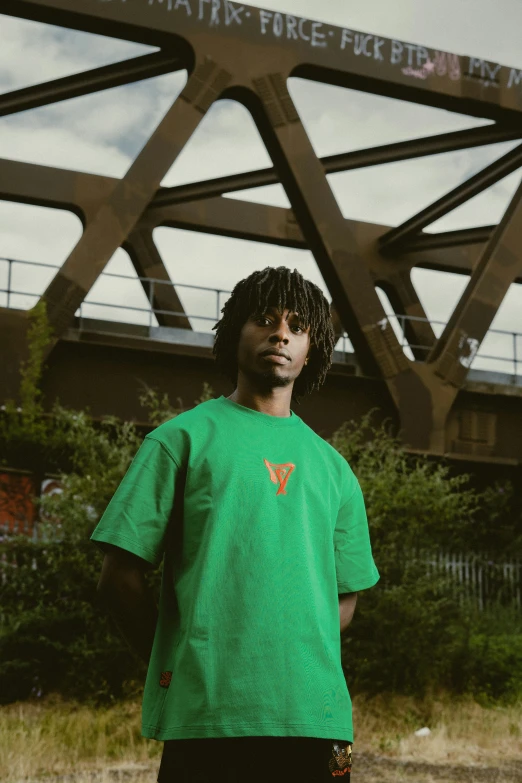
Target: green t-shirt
(262, 524)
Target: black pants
(256, 760)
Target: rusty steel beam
(257, 51)
(346, 161)
(120, 212)
(82, 193)
(149, 265)
(127, 72)
(301, 46)
(394, 239)
(323, 225)
(231, 218)
(499, 265)
(44, 186)
(404, 299)
(442, 239)
(452, 251)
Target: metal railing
(151, 283)
(515, 357)
(150, 313)
(484, 580)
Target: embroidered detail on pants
(340, 764)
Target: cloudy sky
(102, 133)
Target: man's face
(268, 333)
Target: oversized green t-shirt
(262, 524)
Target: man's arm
(347, 603)
(124, 592)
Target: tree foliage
(411, 633)
(415, 630)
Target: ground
(56, 741)
(371, 768)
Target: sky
(102, 134)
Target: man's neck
(273, 406)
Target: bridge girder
(247, 54)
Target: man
(265, 541)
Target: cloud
(32, 53)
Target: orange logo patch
(279, 474)
(165, 679)
(341, 762)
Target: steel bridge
(419, 374)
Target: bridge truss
(247, 54)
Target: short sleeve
(138, 514)
(354, 564)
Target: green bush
(494, 667)
(55, 636)
(411, 633)
(414, 631)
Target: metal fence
(499, 346)
(481, 579)
(477, 578)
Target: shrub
(414, 631)
(411, 633)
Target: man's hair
(278, 287)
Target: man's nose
(280, 333)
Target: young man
(262, 527)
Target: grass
(55, 737)
(462, 731)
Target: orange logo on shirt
(279, 474)
(165, 679)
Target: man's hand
(347, 603)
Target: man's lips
(276, 359)
(275, 352)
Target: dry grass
(57, 738)
(462, 731)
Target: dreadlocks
(277, 287)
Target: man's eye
(263, 318)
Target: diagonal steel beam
(346, 161)
(405, 301)
(82, 194)
(397, 237)
(120, 212)
(322, 223)
(148, 264)
(144, 67)
(497, 268)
